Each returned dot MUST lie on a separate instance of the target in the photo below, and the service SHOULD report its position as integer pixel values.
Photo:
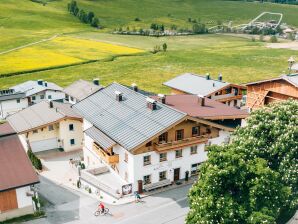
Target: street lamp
(291, 61)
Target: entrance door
(140, 186)
(176, 174)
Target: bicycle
(98, 212)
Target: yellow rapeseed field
(33, 58)
(60, 51)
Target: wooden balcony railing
(160, 147)
(109, 159)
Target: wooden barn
(263, 92)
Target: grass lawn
(239, 60)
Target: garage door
(43, 145)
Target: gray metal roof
(40, 114)
(81, 89)
(195, 84)
(129, 122)
(101, 138)
(14, 95)
(32, 87)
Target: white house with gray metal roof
(40, 90)
(216, 89)
(144, 142)
(11, 102)
(81, 89)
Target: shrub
(34, 160)
(82, 166)
(79, 184)
(137, 19)
(90, 191)
(273, 39)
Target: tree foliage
(254, 178)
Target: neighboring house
(294, 68)
(219, 90)
(37, 91)
(11, 102)
(205, 108)
(80, 90)
(144, 142)
(16, 176)
(263, 92)
(48, 125)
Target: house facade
(263, 92)
(144, 142)
(48, 125)
(11, 102)
(16, 177)
(217, 89)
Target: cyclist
(101, 207)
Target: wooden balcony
(181, 143)
(107, 157)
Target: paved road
(68, 206)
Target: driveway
(70, 206)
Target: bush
(90, 191)
(273, 39)
(82, 166)
(79, 184)
(137, 19)
(34, 160)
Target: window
(72, 141)
(179, 134)
(41, 97)
(195, 168)
(71, 128)
(147, 179)
(33, 97)
(49, 97)
(148, 144)
(125, 157)
(162, 175)
(51, 127)
(194, 150)
(195, 131)
(147, 160)
(163, 138)
(35, 131)
(18, 100)
(178, 153)
(162, 157)
(71, 98)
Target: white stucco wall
(55, 95)
(22, 199)
(65, 135)
(9, 107)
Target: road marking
(152, 210)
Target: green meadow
(239, 60)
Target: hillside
(64, 57)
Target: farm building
(16, 176)
(219, 90)
(263, 92)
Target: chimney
(208, 76)
(134, 87)
(40, 82)
(45, 84)
(201, 100)
(151, 103)
(96, 82)
(119, 96)
(51, 104)
(162, 98)
(219, 77)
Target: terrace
(108, 156)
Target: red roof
(212, 110)
(6, 129)
(15, 167)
